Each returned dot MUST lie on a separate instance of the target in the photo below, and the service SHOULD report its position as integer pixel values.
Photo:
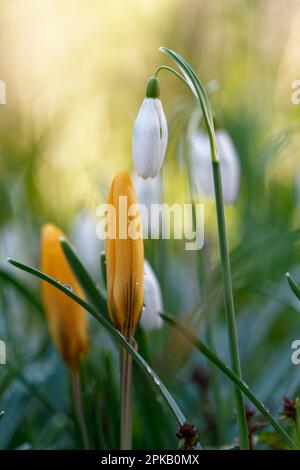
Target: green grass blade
(84, 279)
(295, 288)
(21, 288)
(32, 388)
(199, 87)
(159, 386)
(232, 376)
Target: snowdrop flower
(148, 192)
(150, 133)
(150, 319)
(15, 242)
(83, 235)
(201, 169)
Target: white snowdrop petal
(202, 169)
(148, 192)
(150, 135)
(201, 165)
(163, 134)
(146, 139)
(84, 237)
(230, 167)
(150, 319)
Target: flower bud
(150, 134)
(67, 320)
(124, 260)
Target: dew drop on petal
(67, 286)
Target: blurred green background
(75, 75)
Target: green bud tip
(153, 88)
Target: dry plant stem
(126, 399)
(77, 401)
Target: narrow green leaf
(197, 84)
(103, 268)
(295, 288)
(21, 288)
(159, 386)
(32, 388)
(231, 375)
(84, 279)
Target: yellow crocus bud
(124, 257)
(67, 320)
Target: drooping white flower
(15, 242)
(84, 237)
(148, 192)
(150, 319)
(201, 168)
(150, 134)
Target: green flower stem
(229, 304)
(170, 69)
(77, 402)
(205, 292)
(298, 421)
(198, 90)
(126, 399)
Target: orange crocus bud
(124, 256)
(67, 320)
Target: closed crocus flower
(67, 320)
(150, 134)
(153, 305)
(201, 168)
(124, 261)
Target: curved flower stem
(77, 401)
(197, 88)
(170, 69)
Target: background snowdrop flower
(16, 241)
(150, 134)
(148, 192)
(83, 235)
(150, 319)
(201, 173)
